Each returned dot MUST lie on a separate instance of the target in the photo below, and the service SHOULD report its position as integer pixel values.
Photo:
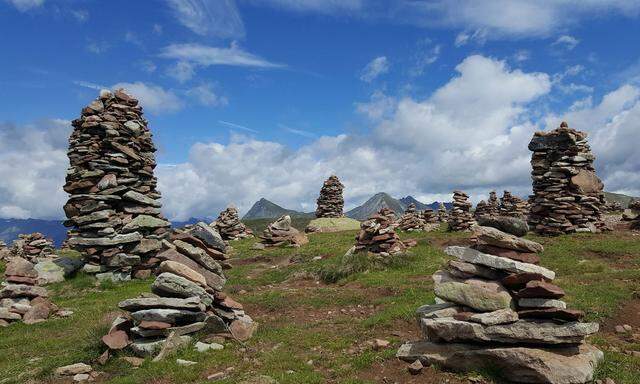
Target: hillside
(265, 209)
(374, 204)
(620, 198)
(11, 228)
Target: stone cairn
(443, 215)
(229, 226)
(186, 298)
(330, 201)
(460, 218)
(612, 207)
(21, 298)
(411, 220)
(482, 209)
(378, 236)
(513, 206)
(33, 247)
(113, 207)
(429, 216)
(567, 194)
(281, 232)
(5, 252)
(489, 208)
(633, 214)
(494, 311)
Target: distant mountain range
(265, 209)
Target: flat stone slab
(20, 290)
(171, 316)
(168, 284)
(520, 332)
(132, 305)
(542, 303)
(501, 239)
(569, 365)
(480, 295)
(432, 311)
(502, 263)
(106, 241)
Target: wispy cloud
(479, 36)
(98, 47)
(566, 41)
(299, 132)
(81, 15)
(206, 56)
(26, 5)
(205, 94)
(86, 84)
(375, 68)
(237, 126)
(215, 18)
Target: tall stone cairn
(187, 298)
(378, 235)
(495, 311)
(113, 205)
(494, 203)
(411, 220)
(330, 201)
(567, 193)
(229, 226)
(460, 217)
(429, 216)
(443, 215)
(513, 206)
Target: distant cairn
(513, 206)
(411, 220)
(378, 236)
(229, 225)
(114, 206)
(567, 193)
(443, 215)
(280, 233)
(460, 217)
(330, 202)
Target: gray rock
(520, 332)
(23, 290)
(209, 236)
(116, 277)
(498, 238)
(542, 303)
(5, 314)
(512, 225)
(92, 268)
(123, 260)
(199, 255)
(49, 272)
(106, 241)
(132, 305)
(94, 216)
(144, 348)
(481, 295)
(502, 263)
(432, 311)
(142, 199)
(178, 331)
(171, 316)
(214, 280)
(501, 316)
(146, 223)
(467, 270)
(168, 284)
(69, 265)
(204, 347)
(568, 365)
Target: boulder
(511, 225)
(49, 272)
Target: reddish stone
(551, 313)
(230, 303)
(242, 330)
(116, 340)
(154, 325)
(524, 257)
(520, 280)
(541, 289)
(463, 316)
(22, 280)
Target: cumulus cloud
(375, 68)
(33, 162)
(153, 97)
(215, 18)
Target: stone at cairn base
(280, 232)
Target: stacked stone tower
(567, 193)
(513, 206)
(114, 206)
(229, 225)
(461, 218)
(330, 201)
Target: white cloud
(522, 55)
(426, 53)
(182, 71)
(147, 65)
(375, 68)
(81, 15)
(205, 95)
(26, 5)
(566, 41)
(379, 106)
(319, 6)
(214, 18)
(153, 97)
(299, 132)
(479, 36)
(33, 163)
(206, 56)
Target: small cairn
(443, 215)
(612, 207)
(378, 236)
(494, 203)
(281, 232)
(567, 193)
(497, 311)
(482, 209)
(114, 205)
(330, 201)
(186, 298)
(21, 298)
(5, 252)
(33, 247)
(429, 216)
(460, 218)
(229, 226)
(411, 220)
(513, 206)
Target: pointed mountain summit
(374, 204)
(265, 209)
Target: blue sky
(254, 98)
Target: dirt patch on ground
(392, 371)
(628, 314)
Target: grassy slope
(302, 320)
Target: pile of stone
(443, 215)
(5, 252)
(330, 202)
(612, 206)
(281, 232)
(114, 206)
(187, 298)
(411, 220)
(482, 209)
(460, 217)
(21, 298)
(229, 226)
(33, 247)
(497, 312)
(378, 236)
(513, 206)
(489, 208)
(494, 203)
(567, 193)
(429, 216)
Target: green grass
(327, 322)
